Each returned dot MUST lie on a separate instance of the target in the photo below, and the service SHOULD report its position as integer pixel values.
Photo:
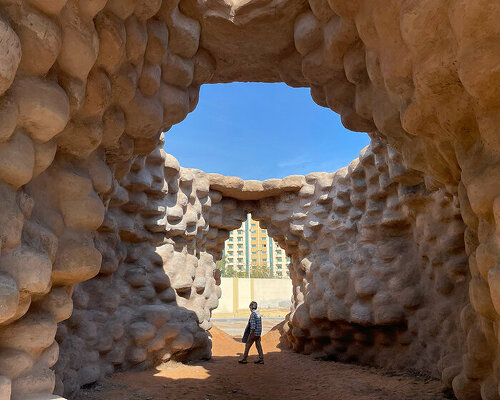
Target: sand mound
(218, 334)
(274, 339)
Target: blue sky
(261, 131)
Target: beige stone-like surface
(152, 299)
(86, 88)
(378, 266)
(239, 189)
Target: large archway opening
(262, 131)
(394, 258)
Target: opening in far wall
(254, 268)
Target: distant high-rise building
(251, 246)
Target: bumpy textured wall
(378, 265)
(421, 73)
(372, 283)
(153, 296)
(86, 87)
(47, 234)
(378, 262)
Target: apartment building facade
(250, 246)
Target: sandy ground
(285, 375)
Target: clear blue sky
(261, 131)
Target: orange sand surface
(285, 375)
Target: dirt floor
(285, 375)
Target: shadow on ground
(285, 375)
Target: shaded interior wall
(153, 296)
(378, 265)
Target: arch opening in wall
(251, 253)
(253, 267)
(262, 131)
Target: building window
(254, 260)
(240, 239)
(254, 245)
(253, 225)
(264, 259)
(278, 259)
(254, 238)
(264, 245)
(230, 239)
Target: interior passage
(285, 375)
